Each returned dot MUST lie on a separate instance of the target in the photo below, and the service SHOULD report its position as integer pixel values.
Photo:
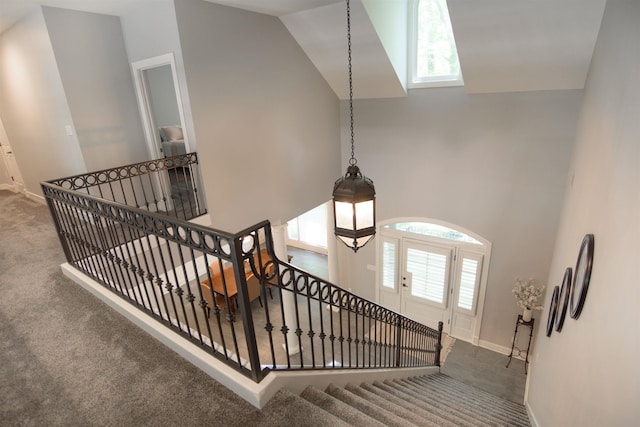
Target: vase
(526, 315)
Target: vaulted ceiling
(504, 45)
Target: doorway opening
(160, 106)
(433, 271)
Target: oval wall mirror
(582, 275)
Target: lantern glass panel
(364, 214)
(344, 215)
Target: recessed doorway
(432, 271)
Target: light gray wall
(494, 164)
(266, 121)
(162, 96)
(588, 375)
(33, 105)
(92, 61)
(151, 31)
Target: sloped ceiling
(523, 45)
(322, 33)
(504, 45)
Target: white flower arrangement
(527, 294)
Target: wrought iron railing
(228, 293)
(168, 185)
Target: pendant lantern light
(354, 197)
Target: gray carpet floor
(68, 359)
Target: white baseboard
(499, 349)
(494, 347)
(35, 197)
(532, 417)
(6, 187)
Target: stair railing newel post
(245, 306)
(439, 344)
(398, 339)
(56, 222)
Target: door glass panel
(389, 262)
(468, 278)
(428, 271)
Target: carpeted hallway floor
(67, 359)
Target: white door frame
(142, 94)
(11, 165)
(485, 270)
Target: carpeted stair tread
(465, 397)
(453, 403)
(415, 406)
(447, 381)
(286, 408)
(382, 415)
(473, 395)
(407, 413)
(454, 412)
(442, 380)
(338, 408)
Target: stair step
(380, 414)
(443, 380)
(387, 405)
(338, 408)
(451, 411)
(430, 400)
(286, 408)
(426, 413)
(473, 396)
(479, 403)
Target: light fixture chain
(352, 160)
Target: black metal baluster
(310, 334)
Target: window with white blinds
(467, 283)
(469, 279)
(428, 272)
(389, 263)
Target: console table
(517, 352)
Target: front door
(432, 280)
(425, 282)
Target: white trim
(494, 347)
(35, 197)
(258, 394)
(412, 81)
(532, 417)
(150, 131)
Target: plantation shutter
(428, 269)
(389, 263)
(468, 275)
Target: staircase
(433, 400)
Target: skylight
(433, 52)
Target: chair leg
(260, 301)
